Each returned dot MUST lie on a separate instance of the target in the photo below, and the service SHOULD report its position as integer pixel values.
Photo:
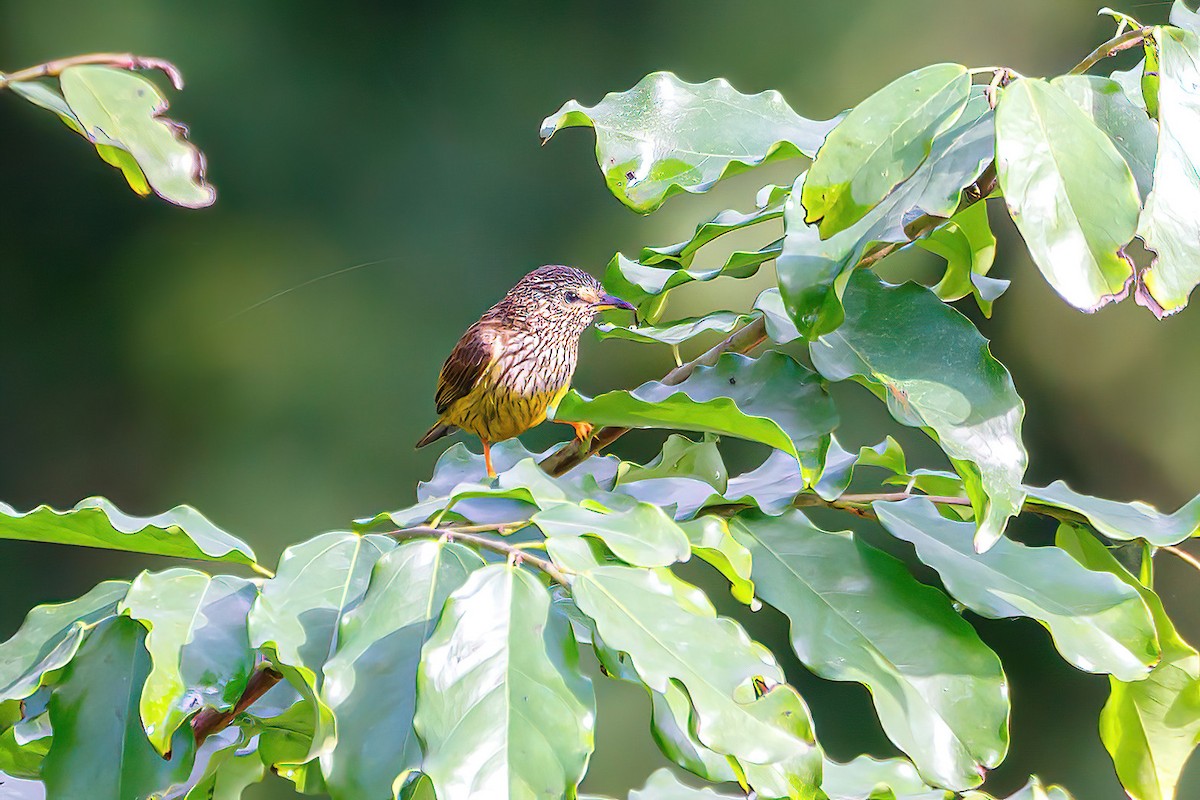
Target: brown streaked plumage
(516, 362)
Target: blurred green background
(339, 134)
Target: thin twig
(118, 60)
(1111, 48)
(496, 546)
(1179, 552)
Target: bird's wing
(467, 363)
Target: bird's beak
(610, 301)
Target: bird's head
(563, 298)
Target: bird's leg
(583, 431)
(487, 458)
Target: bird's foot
(583, 434)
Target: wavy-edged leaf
(99, 750)
(663, 785)
(371, 683)
(50, 637)
(680, 457)
(644, 286)
(1099, 624)
(840, 465)
(675, 332)
(781, 328)
(122, 109)
(769, 207)
(1126, 125)
(501, 705)
(1122, 521)
(771, 399)
(670, 726)
(95, 522)
(936, 373)
(1036, 790)
(813, 271)
(198, 642)
(881, 143)
(666, 136)
(230, 771)
(1069, 191)
(967, 243)
(1182, 16)
(858, 615)
(1150, 727)
(867, 778)
(642, 535)
(661, 622)
(713, 542)
(1168, 223)
(772, 485)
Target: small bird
(516, 362)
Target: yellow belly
(496, 413)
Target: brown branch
(512, 551)
(118, 60)
(210, 720)
(1111, 48)
(1180, 553)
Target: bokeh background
(340, 134)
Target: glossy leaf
(50, 637)
(1099, 624)
(1069, 191)
(99, 750)
(1183, 16)
(642, 535)
(123, 109)
(680, 457)
(840, 465)
(666, 136)
(198, 643)
(769, 207)
(663, 785)
(858, 615)
(1125, 124)
(880, 144)
(867, 778)
(781, 328)
(661, 622)
(713, 542)
(501, 705)
(644, 286)
(771, 399)
(967, 243)
(371, 683)
(772, 486)
(813, 271)
(670, 726)
(1035, 790)
(1167, 224)
(1122, 521)
(95, 522)
(1150, 727)
(935, 371)
(678, 331)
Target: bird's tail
(439, 430)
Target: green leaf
(644, 286)
(671, 728)
(1122, 521)
(116, 107)
(867, 778)
(678, 331)
(1034, 790)
(840, 465)
(1184, 17)
(1099, 624)
(230, 773)
(880, 144)
(371, 683)
(680, 457)
(769, 207)
(858, 615)
(1125, 124)
(665, 136)
(662, 622)
(967, 243)
(198, 643)
(19, 758)
(642, 535)
(781, 329)
(771, 399)
(772, 486)
(1069, 191)
(95, 522)
(936, 373)
(43, 95)
(1166, 229)
(501, 705)
(50, 637)
(813, 271)
(713, 542)
(663, 785)
(99, 749)
(1149, 727)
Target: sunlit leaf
(771, 399)
(666, 136)
(501, 705)
(1183, 16)
(968, 245)
(1099, 624)
(198, 644)
(120, 108)
(770, 207)
(1150, 727)
(670, 726)
(1168, 224)
(50, 637)
(840, 465)
(858, 615)
(675, 332)
(644, 286)
(867, 778)
(881, 143)
(680, 457)
(663, 785)
(642, 535)
(99, 750)
(371, 683)
(1122, 521)
(1036, 790)
(95, 522)
(713, 542)
(935, 371)
(781, 328)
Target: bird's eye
(571, 297)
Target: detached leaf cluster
(441, 649)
